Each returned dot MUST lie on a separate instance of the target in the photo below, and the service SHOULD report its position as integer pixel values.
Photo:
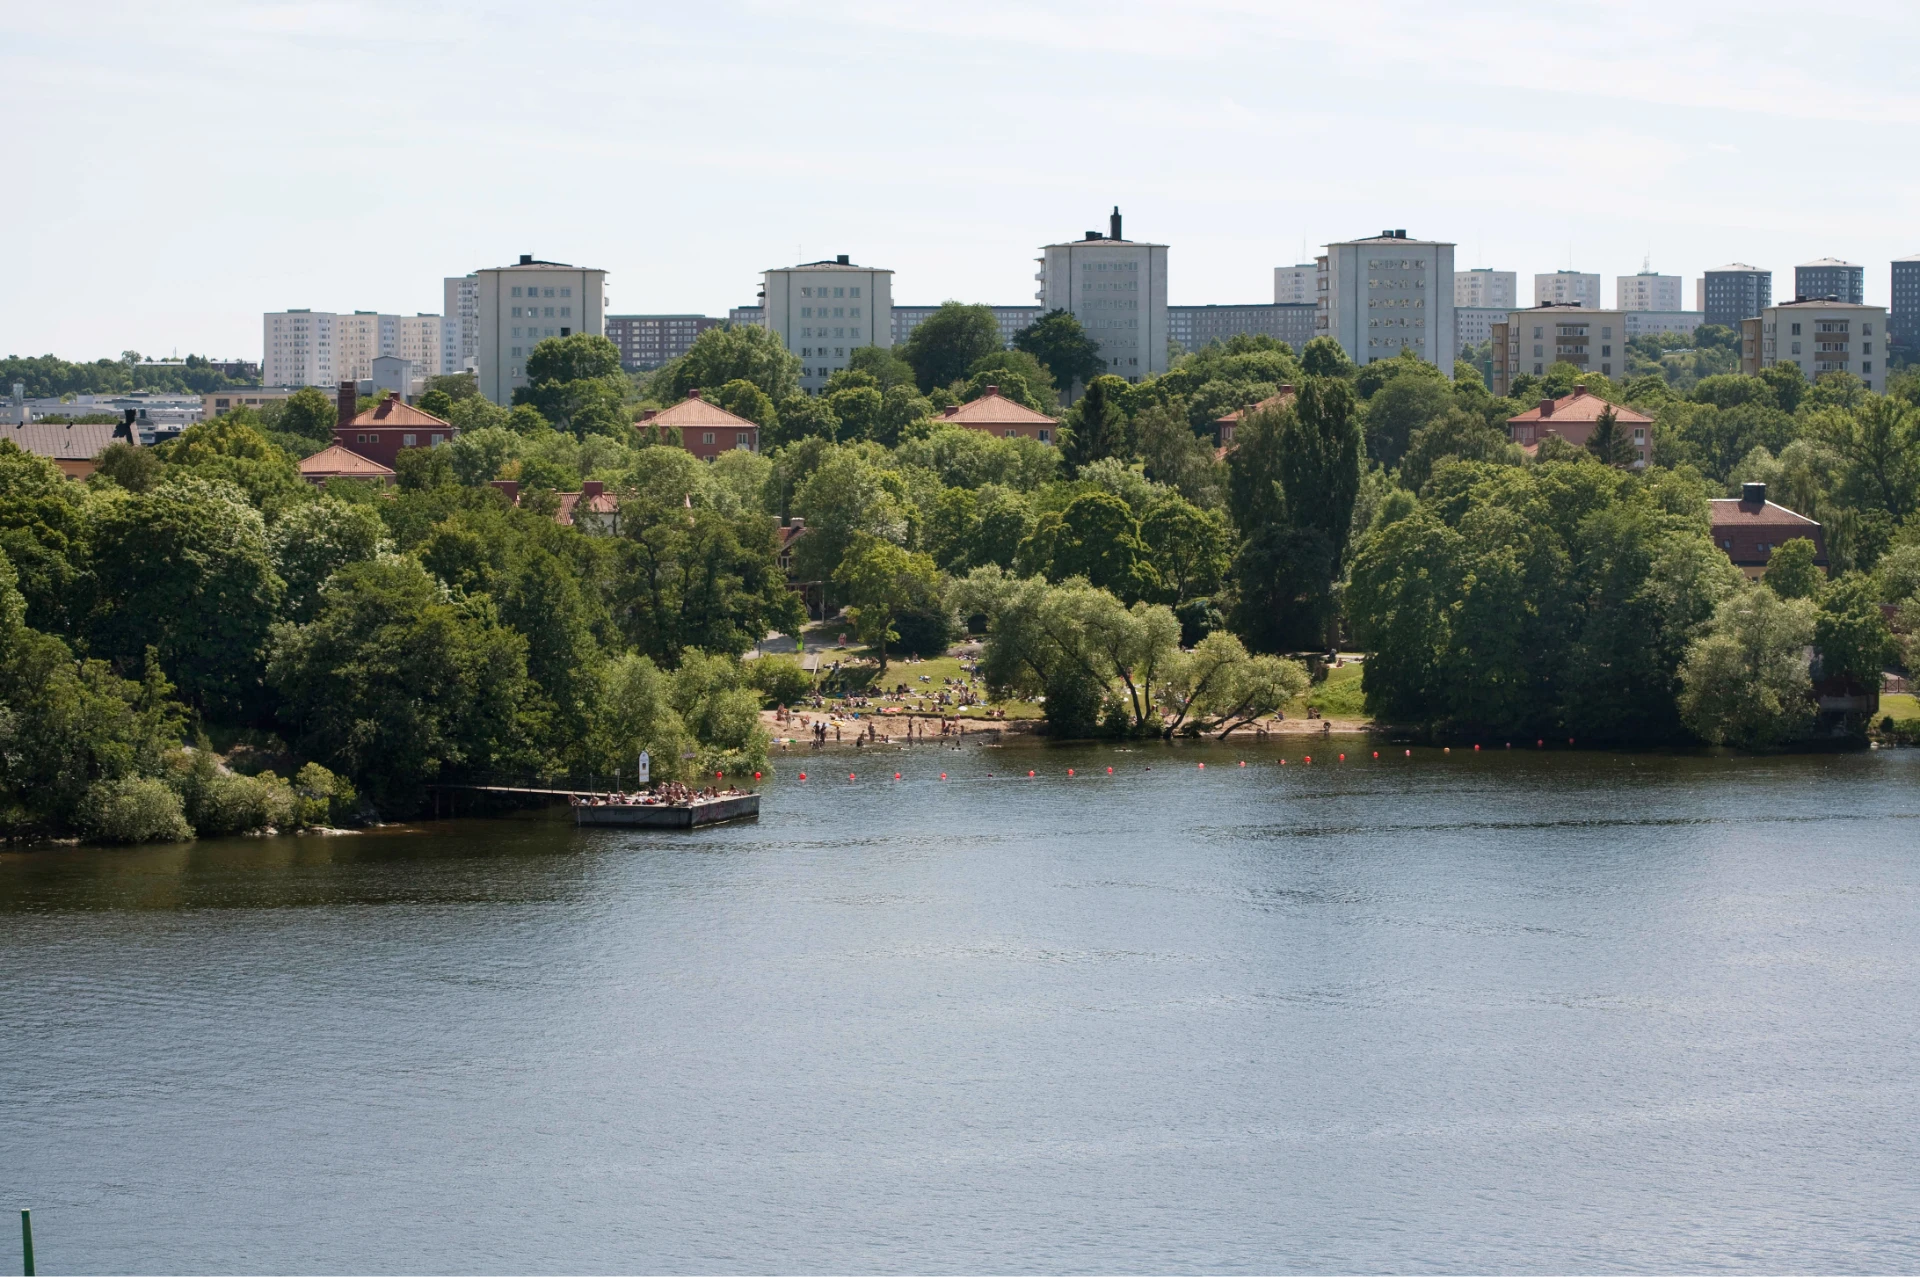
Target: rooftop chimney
(1093, 235)
(993, 390)
(1546, 406)
(1753, 493)
(592, 488)
(1579, 388)
(1401, 234)
(526, 259)
(842, 260)
(511, 488)
(1115, 221)
(347, 404)
(693, 393)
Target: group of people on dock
(659, 793)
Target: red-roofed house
(1748, 528)
(1223, 426)
(335, 461)
(996, 415)
(72, 446)
(592, 510)
(383, 431)
(706, 430)
(1573, 417)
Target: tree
(1878, 447)
(1190, 547)
(314, 540)
(1609, 444)
(880, 582)
(1057, 341)
(1320, 460)
(1098, 539)
(309, 414)
(1403, 405)
(478, 457)
(1850, 632)
(577, 385)
(720, 355)
(745, 400)
(128, 465)
(848, 494)
(1791, 571)
(1175, 456)
(695, 578)
(943, 347)
(1004, 367)
(800, 418)
(1256, 497)
(436, 402)
(394, 685)
(1223, 687)
(43, 531)
(185, 570)
(1097, 426)
(1324, 357)
(1745, 683)
(1455, 434)
(881, 364)
(235, 451)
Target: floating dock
(590, 811)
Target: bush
(780, 679)
(923, 631)
(1073, 704)
(221, 804)
(132, 811)
(326, 798)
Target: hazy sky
(177, 169)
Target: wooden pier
(597, 811)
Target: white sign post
(645, 768)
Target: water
(1528, 1012)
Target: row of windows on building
(1389, 282)
(532, 312)
(407, 441)
(534, 291)
(820, 353)
(1396, 264)
(1098, 286)
(839, 312)
(809, 331)
(820, 291)
(1417, 304)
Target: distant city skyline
(663, 165)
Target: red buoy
(1069, 773)
(803, 777)
(896, 777)
(1109, 768)
(943, 777)
(1376, 755)
(1343, 756)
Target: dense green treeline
(51, 376)
(352, 645)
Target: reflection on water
(1506, 1011)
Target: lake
(1521, 1011)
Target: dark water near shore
(1559, 1012)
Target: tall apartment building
(1473, 326)
(1821, 337)
(1117, 289)
(1639, 322)
(1485, 287)
(1647, 291)
(1011, 320)
(1387, 293)
(1297, 284)
(1830, 278)
(422, 343)
(1194, 327)
(647, 342)
(823, 310)
(755, 315)
(460, 336)
(298, 349)
(1580, 287)
(1727, 295)
(525, 302)
(1903, 320)
(1533, 340)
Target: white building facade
(1566, 288)
(421, 343)
(1117, 289)
(298, 349)
(1485, 287)
(1389, 293)
(1821, 337)
(1647, 291)
(1296, 284)
(824, 310)
(524, 303)
(460, 335)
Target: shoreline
(894, 729)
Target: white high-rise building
(1567, 288)
(1485, 287)
(421, 343)
(519, 305)
(1647, 291)
(1117, 289)
(1295, 284)
(298, 349)
(460, 335)
(824, 310)
(1821, 337)
(1389, 293)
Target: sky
(179, 169)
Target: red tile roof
(1580, 407)
(1748, 530)
(1282, 397)
(995, 410)
(597, 500)
(335, 461)
(395, 412)
(694, 412)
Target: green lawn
(1901, 706)
(1337, 698)
(905, 672)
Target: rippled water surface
(1527, 1012)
